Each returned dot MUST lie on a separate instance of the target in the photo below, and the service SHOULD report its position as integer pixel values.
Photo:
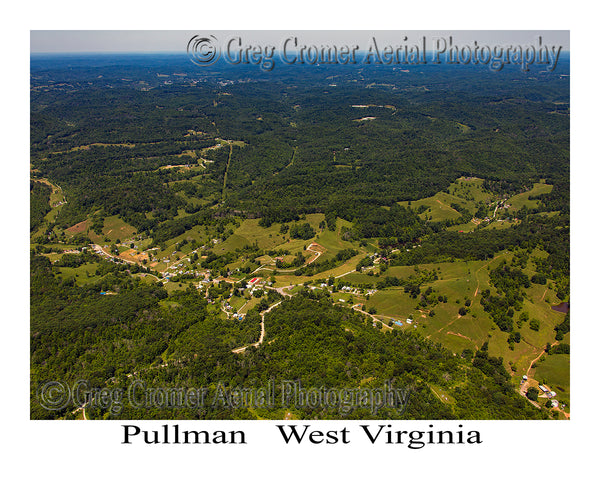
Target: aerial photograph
(273, 225)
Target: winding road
(262, 330)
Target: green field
(555, 372)
(249, 232)
(522, 199)
(236, 302)
(82, 275)
(332, 241)
(438, 207)
(470, 190)
(291, 279)
(116, 229)
(467, 193)
(360, 278)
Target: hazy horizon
(168, 41)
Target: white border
(92, 449)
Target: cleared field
(359, 278)
(313, 219)
(249, 233)
(332, 242)
(438, 207)
(465, 192)
(555, 372)
(82, 275)
(56, 196)
(291, 279)
(195, 233)
(87, 147)
(80, 227)
(251, 303)
(456, 280)
(442, 394)
(463, 227)
(133, 255)
(522, 199)
(394, 303)
(232, 243)
(294, 245)
(146, 278)
(470, 189)
(499, 224)
(345, 297)
(266, 238)
(56, 201)
(117, 229)
(174, 286)
(236, 302)
(192, 200)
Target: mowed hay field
(463, 227)
(470, 189)
(251, 232)
(114, 229)
(117, 229)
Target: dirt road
(262, 330)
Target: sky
(95, 41)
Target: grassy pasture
(291, 279)
(464, 192)
(266, 238)
(555, 371)
(392, 303)
(117, 229)
(358, 278)
(332, 243)
(471, 189)
(232, 243)
(237, 302)
(521, 200)
(80, 274)
(438, 207)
